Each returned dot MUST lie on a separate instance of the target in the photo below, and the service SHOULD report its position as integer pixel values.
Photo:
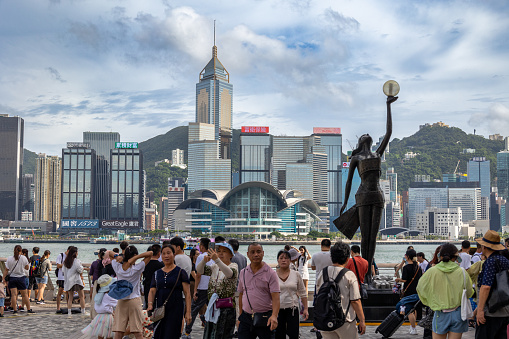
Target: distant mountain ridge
(439, 150)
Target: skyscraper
(127, 187)
(214, 102)
(101, 142)
(285, 150)
(255, 154)
(478, 170)
(503, 174)
(206, 169)
(78, 184)
(331, 142)
(48, 173)
(28, 193)
(11, 166)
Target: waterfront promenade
(47, 324)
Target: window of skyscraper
(114, 162)
(74, 160)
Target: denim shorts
(444, 322)
(18, 282)
(2, 302)
(43, 280)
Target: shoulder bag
(8, 276)
(499, 294)
(159, 312)
(259, 319)
(410, 283)
(223, 302)
(466, 306)
(362, 287)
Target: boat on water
(189, 241)
(14, 240)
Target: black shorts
(18, 283)
(32, 284)
(60, 283)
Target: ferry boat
(14, 240)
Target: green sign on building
(126, 145)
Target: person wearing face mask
(223, 273)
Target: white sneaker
(413, 330)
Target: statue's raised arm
(388, 133)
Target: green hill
(440, 148)
(29, 161)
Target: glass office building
(478, 170)
(214, 102)
(255, 156)
(250, 208)
(11, 167)
(78, 184)
(503, 174)
(101, 142)
(126, 185)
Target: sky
(131, 66)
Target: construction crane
(456, 169)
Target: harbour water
(385, 253)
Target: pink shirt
(259, 288)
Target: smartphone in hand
(212, 245)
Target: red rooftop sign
(255, 129)
(326, 130)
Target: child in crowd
(2, 296)
(102, 325)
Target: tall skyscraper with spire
(214, 101)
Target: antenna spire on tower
(214, 48)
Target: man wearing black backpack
(341, 297)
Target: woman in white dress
(303, 265)
(73, 281)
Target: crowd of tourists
(161, 292)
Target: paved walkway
(47, 324)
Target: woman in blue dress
(170, 281)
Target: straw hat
(491, 240)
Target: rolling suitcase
(393, 321)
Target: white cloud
(132, 66)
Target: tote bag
(466, 307)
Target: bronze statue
(369, 199)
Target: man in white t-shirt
(349, 291)
(181, 259)
(201, 284)
(465, 257)
(321, 259)
(60, 277)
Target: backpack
(38, 273)
(33, 265)
(328, 313)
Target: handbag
(223, 302)
(466, 306)
(260, 319)
(499, 294)
(8, 276)
(159, 312)
(362, 287)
